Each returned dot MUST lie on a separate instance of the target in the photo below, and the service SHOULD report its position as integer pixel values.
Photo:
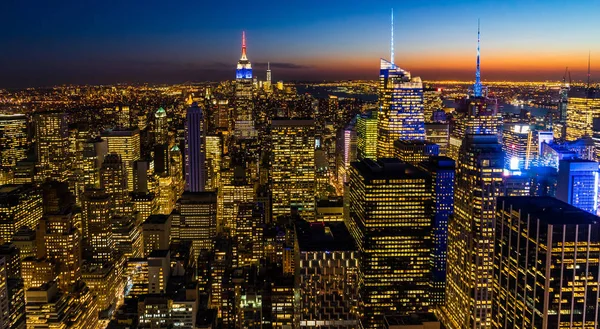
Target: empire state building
(244, 125)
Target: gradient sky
(107, 41)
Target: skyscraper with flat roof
(366, 136)
(293, 168)
(546, 268)
(582, 107)
(390, 220)
(471, 233)
(441, 171)
(126, 143)
(13, 139)
(194, 149)
(578, 184)
(52, 144)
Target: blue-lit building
(194, 149)
(441, 170)
(578, 184)
(401, 113)
(244, 68)
(543, 181)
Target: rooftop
(317, 236)
(156, 219)
(549, 210)
(387, 168)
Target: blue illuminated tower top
(244, 68)
(477, 87)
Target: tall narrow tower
(244, 125)
(194, 149)
(477, 88)
(269, 73)
(400, 105)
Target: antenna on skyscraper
(477, 89)
(589, 69)
(392, 40)
(243, 44)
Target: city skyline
(101, 44)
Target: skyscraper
(293, 169)
(161, 126)
(583, 106)
(390, 219)
(194, 149)
(125, 143)
(366, 136)
(519, 143)
(4, 298)
(13, 139)
(482, 115)
(244, 124)
(20, 205)
(578, 184)
(441, 171)
(96, 225)
(195, 219)
(401, 108)
(52, 144)
(113, 180)
(61, 240)
(327, 275)
(546, 268)
(471, 233)
(346, 151)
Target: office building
(432, 102)
(113, 180)
(195, 219)
(438, 133)
(13, 139)
(471, 233)
(583, 106)
(244, 122)
(97, 226)
(127, 236)
(366, 136)
(577, 184)
(327, 273)
(441, 171)
(161, 127)
(330, 210)
(156, 231)
(4, 297)
(293, 168)
(401, 108)
(125, 143)
(61, 242)
(413, 321)
(20, 206)
(390, 219)
(520, 146)
(94, 151)
(52, 145)
(214, 151)
(346, 152)
(194, 149)
(546, 267)
(415, 151)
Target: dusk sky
(54, 42)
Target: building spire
(392, 40)
(477, 88)
(244, 45)
(589, 69)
